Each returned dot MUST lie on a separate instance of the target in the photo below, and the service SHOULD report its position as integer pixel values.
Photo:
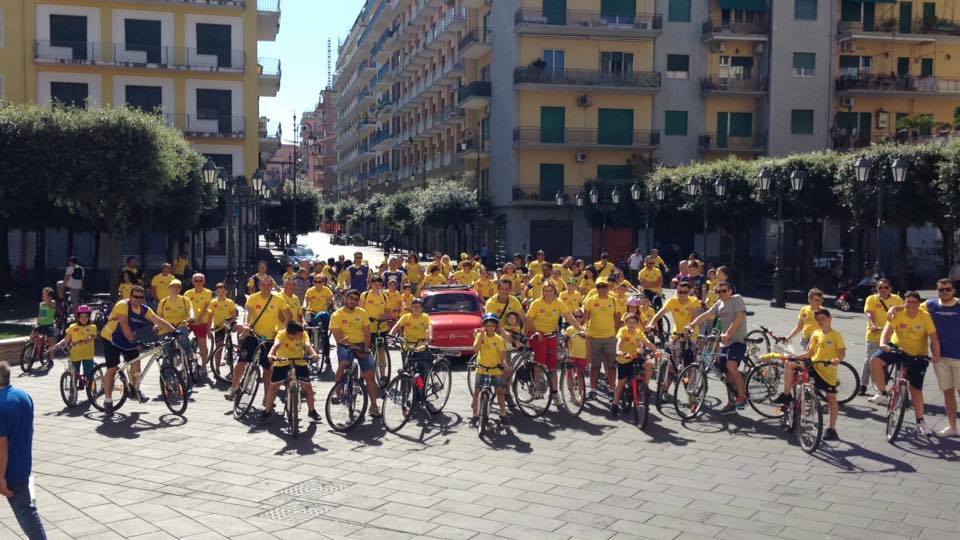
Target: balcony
(475, 95)
(448, 26)
(366, 125)
(476, 44)
(587, 23)
(754, 144)
(473, 149)
(208, 126)
(588, 79)
(268, 20)
(268, 76)
(757, 30)
(382, 140)
(751, 86)
(535, 137)
(895, 29)
(886, 84)
(534, 195)
(147, 57)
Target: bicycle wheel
(27, 357)
(437, 389)
(662, 371)
(572, 389)
(849, 382)
(223, 371)
(95, 388)
(483, 408)
(896, 411)
(397, 405)
(68, 388)
(531, 389)
(471, 373)
(641, 405)
(247, 392)
(665, 327)
(383, 366)
(758, 340)
(173, 390)
(181, 364)
(690, 392)
(809, 420)
(293, 408)
(763, 386)
(346, 404)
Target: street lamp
(210, 172)
(766, 183)
(225, 184)
(698, 186)
(863, 168)
(636, 192)
(597, 201)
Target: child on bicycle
(826, 345)
(46, 318)
(289, 348)
(491, 350)
(577, 343)
(80, 337)
(416, 329)
(630, 341)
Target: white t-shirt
(68, 280)
(635, 261)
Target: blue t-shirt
(358, 277)
(16, 424)
(947, 321)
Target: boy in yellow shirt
(806, 321)
(630, 341)
(394, 304)
(485, 286)
(416, 329)
(406, 298)
(577, 343)
(465, 275)
(290, 350)
(571, 297)
(491, 350)
(221, 309)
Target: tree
(307, 201)
(342, 210)
(447, 203)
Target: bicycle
(379, 346)
(530, 381)
(347, 398)
(670, 365)
(70, 382)
(900, 393)
(572, 384)
(484, 402)
(763, 338)
(693, 378)
(252, 378)
(36, 349)
(636, 395)
(320, 336)
(764, 380)
(804, 415)
(409, 389)
(224, 356)
(292, 401)
(173, 389)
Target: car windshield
(450, 303)
(305, 251)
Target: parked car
(455, 312)
(294, 254)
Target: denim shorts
(345, 355)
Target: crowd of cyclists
(603, 318)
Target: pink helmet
(633, 301)
(83, 308)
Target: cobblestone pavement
(148, 474)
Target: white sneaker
(923, 430)
(879, 399)
(947, 432)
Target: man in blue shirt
(945, 311)
(359, 273)
(16, 457)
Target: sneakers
(863, 390)
(314, 415)
(782, 399)
(141, 397)
(230, 395)
(830, 435)
(880, 399)
(729, 408)
(108, 409)
(923, 430)
(741, 404)
(614, 410)
(947, 432)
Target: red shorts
(545, 351)
(200, 330)
(581, 363)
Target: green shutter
(614, 172)
(143, 35)
(926, 67)
(929, 11)
(850, 11)
(804, 60)
(741, 124)
(675, 123)
(801, 121)
(744, 5)
(616, 126)
(215, 40)
(551, 180)
(849, 62)
(552, 124)
(903, 66)
(927, 129)
(69, 94)
(678, 62)
(678, 11)
(805, 10)
(621, 9)
(144, 98)
(69, 31)
(555, 11)
(906, 17)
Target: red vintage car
(455, 311)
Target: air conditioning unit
(847, 102)
(581, 157)
(643, 25)
(847, 46)
(718, 46)
(583, 100)
(758, 48)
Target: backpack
(78, 272)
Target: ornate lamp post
(766, 183)
(863, 168)
(698, 186)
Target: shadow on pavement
(834, 454)
(129, 426)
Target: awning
(746, 5)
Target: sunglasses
(683, 292)
(137, 297)
(884, 287)
(945, 290)
(723, 290)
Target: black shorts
(821, 384)
(916, 367)
(625, 371)
(112, 354)
(735, 352)
(44, 330)
(249, 346)
(280, 373)
(219, 335)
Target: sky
(301, 47)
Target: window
(144, 98)
(552, 123)
(736, 67)
(214, 40)
(678, 11)
(555, 11)
(741, 124)
(222, 161)
(616, 62)
(853, 66)
(926, 67)
(555, 61)
(69, 31)
(903, 66)
(678, 66)
(551, 180)
(803, 64)
(618, 11)
(805, 10)
(143, 35)
(614, 172)
(616, 126)
(216, 105)
(1, 35)
(69, 94)
(675, 123)
(801, 121)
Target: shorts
(87, 367)
(280, 373)
(200, 330)
(735, 352)
(44, 330)
(112, 354)
(481, 379)
(655, 299)
(916, 369)
(249, 346)
(581, 363)
(219, 335)
(947, 371)
(345, 355)
(820, 384)
(545, 351)
(603, 350)
(625, 371)
(423, 362)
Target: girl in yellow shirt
(290, 349)
(630, 341)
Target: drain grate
(294, 513)
(315, 489)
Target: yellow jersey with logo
(414, 272)
(682, 313)
(571, 299)
(293, 304)
(351, 323)
(875, 307)
(629, 343)
(490, 352)
(494, 305)
(268, 323)
(651, 275)
(485, 288)
(375, 304)
(910, 333)
(201, 302)
(292, 349)
(576, 344)
(406, 299)
(466, 278)
(173, 310)
(125, 290)
(82, 339)
(318, 298)
(222, 310)
(604, 314)
(546, 315)
(808, 320)
(161, 283)
(826, 346)
(415, 328)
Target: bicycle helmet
(487, 317)
(633, 301)
(84, 309)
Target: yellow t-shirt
(712, 295)
(122, 308)
(201, 301)
(414, 328)
(571, 300)
(179, 266)
(343, 280)
(375, 304)
(394, 304)
(269, 322)
(351, 323)
(414, 272)
(293, 303)
(485, 287)
(432, 280)
(126, 289)
(516, 281)
(446, 269)
(604, 313)
(291, 348)
(576, 344)
(872, 305)
(82, 340)
(546, 315)
(587, 285)
(491, 351)
(683, 314)
(466, 278)
(493, 305)
(406, 299)
(646, 315)
(808, 320)
(910, 333)
(222, 310)
(628, 343)
(826, 347)
(288, 275)
(251, 282)
(318, 298)
(161, 283)
(535, 268)
(534, 288)
(174, 311)
(648, 275)
(604, 269)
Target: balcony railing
(536, 194)
(716, 83)
(139, 55)
(474, 89)
(208, 125)
(269, 67)
(272, 6)
(587, 77)
(731, 143)
(587, 20)
(892, 25)
(586, 137)
(712, 27)
(887, 83)
(476, 36)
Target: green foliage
(446, 203)
(343, 209)
(307, 202)
(397, 212)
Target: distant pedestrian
(73, 280)
(16, 455)
(635, 263)
(134, 270)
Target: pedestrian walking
(16, 455)
(73, 280)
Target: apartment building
(319, 138)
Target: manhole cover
(296, 512)
(315, 489)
